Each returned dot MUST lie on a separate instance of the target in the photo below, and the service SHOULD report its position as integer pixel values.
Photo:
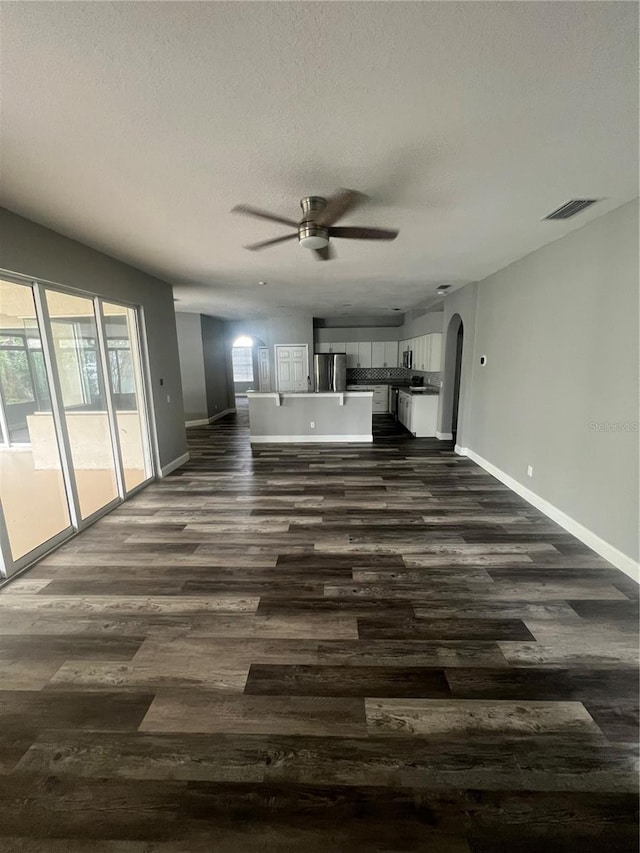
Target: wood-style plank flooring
(320, 648)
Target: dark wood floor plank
(320, 647)
(274, 680)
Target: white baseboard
(175, 463)
(623, 562)
(207, 421)
(309, 439)
(444, 436)
(222, 414)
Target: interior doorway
(456, 381)
(451, 395)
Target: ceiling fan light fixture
(313, 237)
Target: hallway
(319, 648)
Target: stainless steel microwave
(407, 359)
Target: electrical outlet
(313, 424)
(529, 470)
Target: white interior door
(292, 367)
(264, 378)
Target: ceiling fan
(317, 223)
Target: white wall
(560, 332)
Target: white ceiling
(135, 127)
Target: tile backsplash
(385, 375)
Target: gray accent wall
(426, 323)
(218, 369)
(277, 329)
(38, 252)
(205, 365)
(559, 329)
(190, 347)
(296, 413)
(357, 333)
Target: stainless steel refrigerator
(330, 372)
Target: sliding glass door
(33, 492)
(74, 433)
(126, 378)
(84, 400)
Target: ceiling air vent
(576, 205)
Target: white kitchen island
(296, 417)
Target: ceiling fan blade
(325, 254)
(263, 214)
(338, 205)
(255, 246)
(361, 233)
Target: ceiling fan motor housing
(310, 235)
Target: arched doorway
(454, 345)
(250, 364)
(456, 380)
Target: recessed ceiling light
(262, 283)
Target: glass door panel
(32, 487)
(125, 372)
(77, 356)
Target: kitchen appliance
(330, 371)
(407, 359)
(317, 224)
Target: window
(242, 364)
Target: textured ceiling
(135, 127)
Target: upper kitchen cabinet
(434, 353)
(358, 353)
(335, 347)
(390, 354)
(352, 353)
(384, 354)
(377, 354)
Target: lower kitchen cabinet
(418, 413)
(380, 398)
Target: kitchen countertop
(429, 390)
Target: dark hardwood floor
(320, 648)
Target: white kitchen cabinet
(358, 353)
(384, 354)
(390, 354)
(351, 348)
(364, 354)
(434, 351)
(418, 413)
(335, 347)
(377, 354)
(419, 353)
(380, 398)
